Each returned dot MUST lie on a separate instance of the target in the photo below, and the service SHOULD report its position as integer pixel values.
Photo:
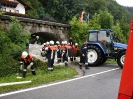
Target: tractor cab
(102, 45)
(103, 38)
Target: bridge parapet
(59, 31)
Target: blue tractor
(102, 45)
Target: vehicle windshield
(102, 35)
(93, 36)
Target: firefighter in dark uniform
(51, 55)
(75, 47)
(36, 40)
(28, 62)
(65, 49)
(83, 55)
(58, 51)
(43, 51)
(71, 41)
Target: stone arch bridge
(47, 30)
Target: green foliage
(1, 13)
(78, 30)
(118, 31)
(124, 27)
(16, 32)
(93, 6)
(32, 13)
(105, 19)
(130, 9)
(43, 77)
(17, 36)
(41, 12)
(111, 61)
(4, 42)
(12, 44)
(8, 65)
(102, 13)
(35, 4)
(65, 10)
(94, 23)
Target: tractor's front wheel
(120, 59)
(94, 55)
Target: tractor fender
(98, 45)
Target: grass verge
(43, 77)
(111, 61)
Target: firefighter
(71, 41)
(36, 40)
(43, 52)
(75, 47)
(69, 49)
(58, 51)
(65, 53)
(28, 62)
(83, 55)
(51, 55)
(47, 45)
(62, 47)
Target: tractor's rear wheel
(94, 55)
(120, 59)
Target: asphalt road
(97, 83)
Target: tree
(35, 4)
(78, 31)
(16, 32)
(105, 19)
(94, 23)
(117, 29)
(18, 37)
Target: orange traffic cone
(126, 84)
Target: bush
(12, 44)
(8, 65)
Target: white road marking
(48, 85)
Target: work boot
(86, 67)
(59, 61)
(80, 66)
(52, 68)
(33, 73)
(66, 64)
(71, 59)
(49, 68)
(24, 74)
